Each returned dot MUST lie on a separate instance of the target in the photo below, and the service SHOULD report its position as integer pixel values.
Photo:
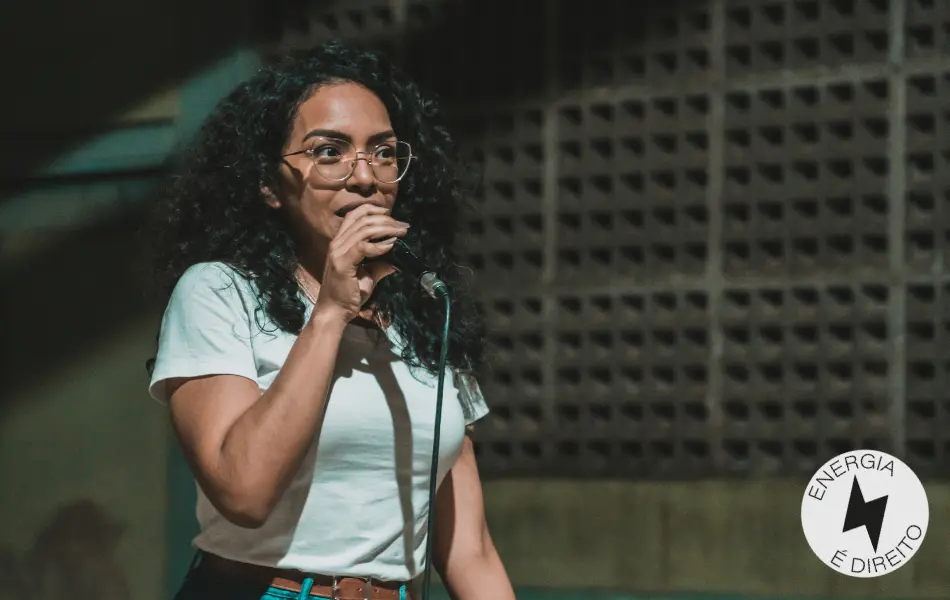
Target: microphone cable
(443, 293)
(405, 260)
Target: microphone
(401, 257)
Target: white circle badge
(865, 513)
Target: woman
(300, 373)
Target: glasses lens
(391, 161)
(333, 158)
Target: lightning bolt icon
(870, 515)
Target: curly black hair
(212, 207)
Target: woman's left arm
(464, 553)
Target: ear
(270, 198)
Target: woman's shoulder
(212, 275)
(212, 279)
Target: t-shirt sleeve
(205, 329)
(471, 398)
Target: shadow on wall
(72, 557)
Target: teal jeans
(204, 584)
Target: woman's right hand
(347, 281)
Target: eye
(385, 153)
(326, 153)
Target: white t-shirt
(359, 504)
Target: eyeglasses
(335, 160)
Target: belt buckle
(367, 587)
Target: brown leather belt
(337, 588)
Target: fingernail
(401, 224)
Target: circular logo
(865, 513)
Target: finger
(369, 276)
(372, 234)
(354, 216)
(378, 270)
(370, 228)
(347, 261)
(367, 249)
(366, 286)
(385, 226)
(352, 261)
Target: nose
(362, 180)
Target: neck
(313, 260)
(307, 281)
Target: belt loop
(335, 590)
(196, 560)
(402, 592)
(305, 588)
(368, 589)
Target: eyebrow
(339, 135)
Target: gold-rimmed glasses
(335, 160)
